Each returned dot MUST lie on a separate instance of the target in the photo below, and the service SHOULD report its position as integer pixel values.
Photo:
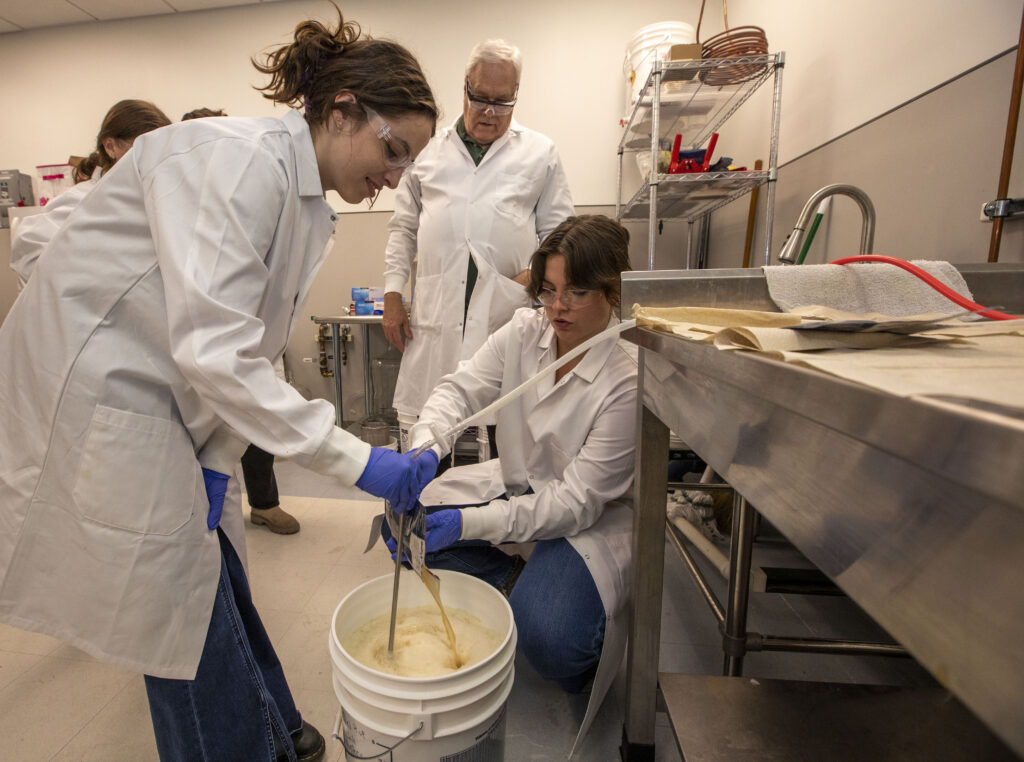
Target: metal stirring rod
(394, 589)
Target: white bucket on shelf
(649, 44)
(458, 716)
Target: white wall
(848, 62)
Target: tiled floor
(56, 703)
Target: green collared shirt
(476, 151)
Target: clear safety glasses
(500, 108)
(571, 298)
(396, 151)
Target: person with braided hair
(140, 368)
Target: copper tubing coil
(738, 41)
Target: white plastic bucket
(649, 44)
(453, 717)
(405, 422)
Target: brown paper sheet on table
(819, 312)
(956, 324)
(764, 331)
(778, 342)
(702, 323)
(989, 369)
(982, 328)
(981, 361)
(714, 316)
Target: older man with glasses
(469, 213)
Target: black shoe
(517, 568)
(309, 744)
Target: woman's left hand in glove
(444, 528)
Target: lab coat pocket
(428, 301)
(136, 473)
(513, 196)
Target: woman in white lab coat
(124, 122)
(138, 365)
(565, 471)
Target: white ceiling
(18, 15)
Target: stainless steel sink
(998, 285)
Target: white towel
(866, 287)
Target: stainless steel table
(336, 323)
(914, 508)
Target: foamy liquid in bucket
(421, 642)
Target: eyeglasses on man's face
(396, 151)
(570, 297)
(500, 108)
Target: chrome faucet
(791, 248)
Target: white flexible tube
(501, 402)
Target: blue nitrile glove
(426, 469)
(392, 476)
(216, 488)
(444, 528)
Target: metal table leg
(651, 476)
(734, 637)
(368, 390)
(339, 407)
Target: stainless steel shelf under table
(915, 509)
(734, 718)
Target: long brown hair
(125, 120)
(321, 63)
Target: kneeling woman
(565, 472)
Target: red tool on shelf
(682, 166)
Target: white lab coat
(140, 351)
(33, 233)
(571, 442)
(447, 210)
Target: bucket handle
(378, 755)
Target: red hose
(935, 283)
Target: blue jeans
(239, 706)
(557, 609)
(559, 615)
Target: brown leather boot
(275, 519)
